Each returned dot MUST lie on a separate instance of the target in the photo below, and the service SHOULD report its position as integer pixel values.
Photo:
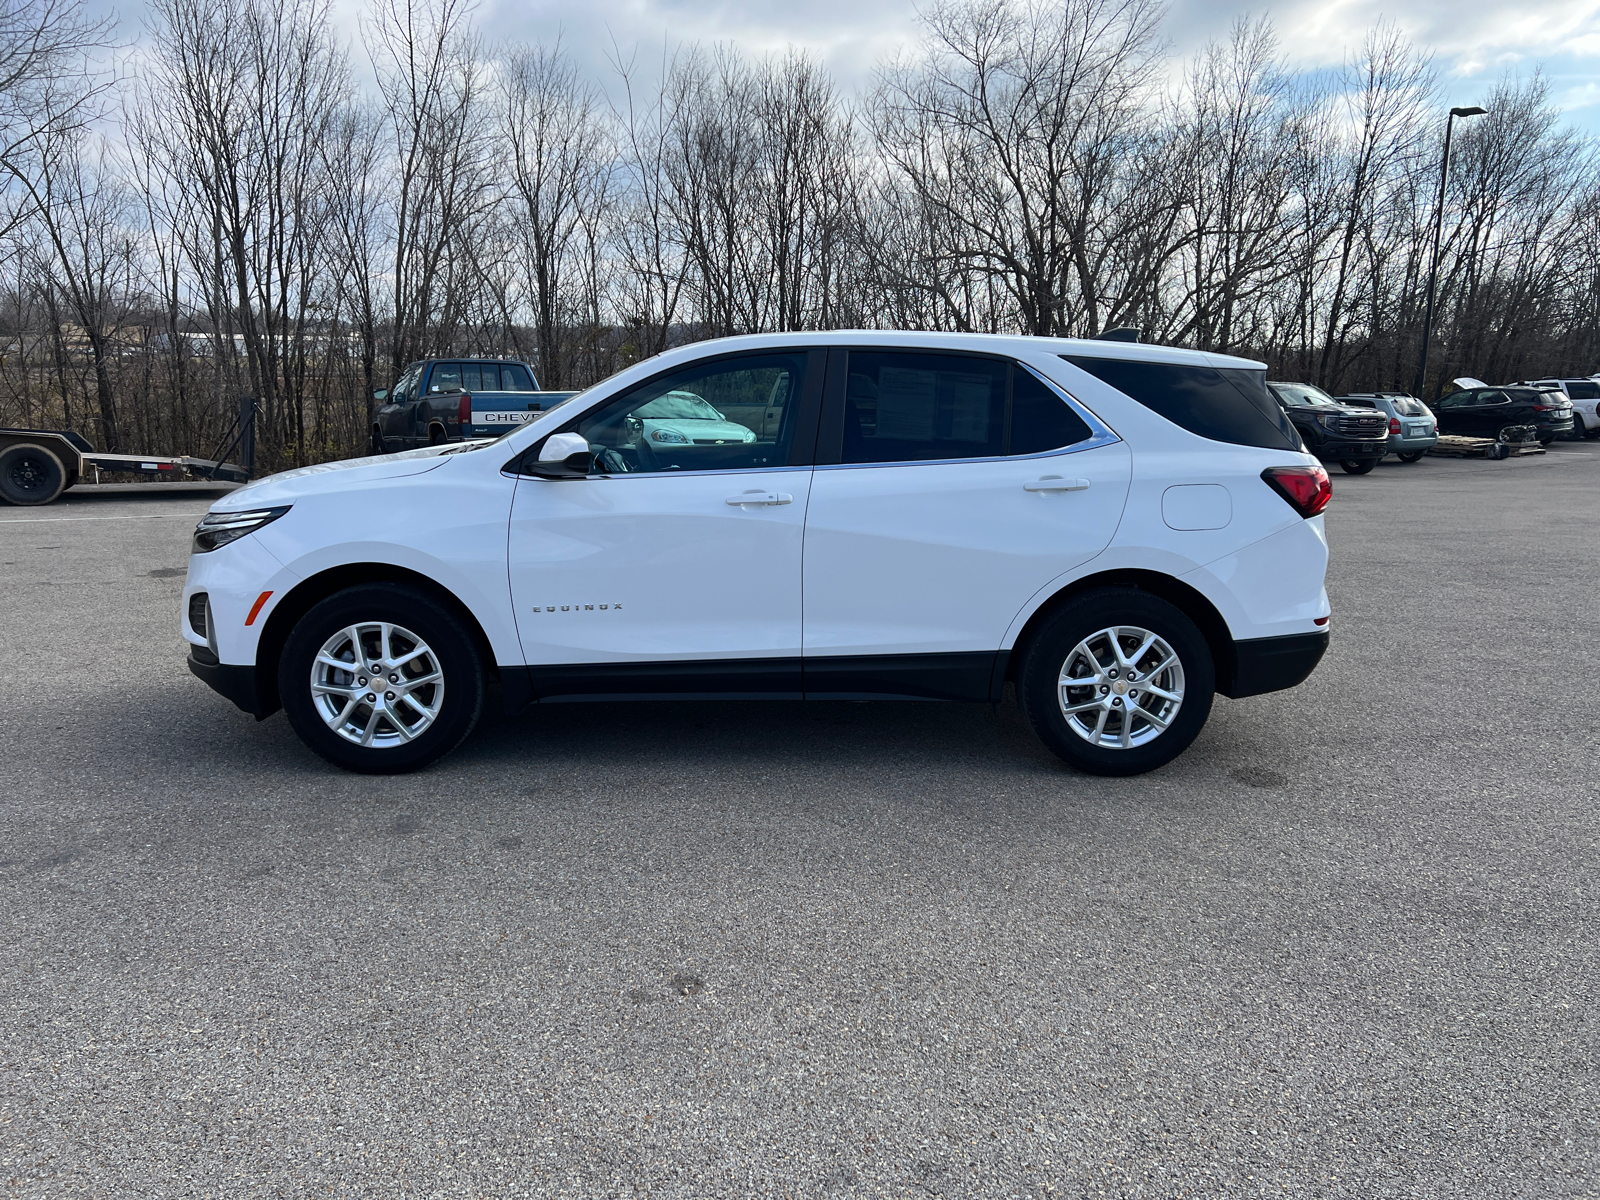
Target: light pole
(1438, 232)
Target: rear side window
(1223, 404)
(1040, 419)
(904, 406)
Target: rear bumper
(1272, 664)
(235, 682)
(1406, 445)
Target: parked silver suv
(1413, 431)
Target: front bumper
(1274, 663)
(237, 683)
(1339, 451)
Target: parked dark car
(451, 399)
(1484, 412)
(1585, 397)
(1355, 438)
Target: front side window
(1228, 404)
(728, 414)
(406, 388)
(902, 406)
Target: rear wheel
(1357, 466)
(381, 679)
(436, 436)
(31, 475)
(1410, 456)
(1118, 682)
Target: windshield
(677, 406)
(1303, 393)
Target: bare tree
(1011, 130)
(559, 159)
(431, 75)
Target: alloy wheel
(1120, 687)
(377, 684)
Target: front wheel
(1118, 682)
(375, 443)
(1410, 456)
(1357, 466)
(381, 679)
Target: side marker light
(255, 609)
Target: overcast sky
(1473, 41)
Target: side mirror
(381, 394)
(563, 456)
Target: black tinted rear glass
(1583, 389)
(1225, 405)
(1040, 419)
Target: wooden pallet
(1452, 445)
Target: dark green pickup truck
(441, 400)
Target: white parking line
(133, 517)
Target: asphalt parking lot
(1346, 946)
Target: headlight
(1328, 420)
(667, 435)
(218, 529)
(749, 435)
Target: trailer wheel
(31, 475)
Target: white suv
(1118, 530)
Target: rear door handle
(1054, 483)
(761, 498)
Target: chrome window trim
(666, 474)
(1100, 434)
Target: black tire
(31, 475)
(458, 660)
(1545, 441)
(1056, 645)
(375, 443)
(437, 436)
(1357, 466)
(1409, 456)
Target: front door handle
(761, 498)
(1054, 483)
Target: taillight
(1394, 424)
(1307, 490)
(464, 413)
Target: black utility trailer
(37, 465)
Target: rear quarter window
(1224, 404)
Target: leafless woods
(237, 216)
